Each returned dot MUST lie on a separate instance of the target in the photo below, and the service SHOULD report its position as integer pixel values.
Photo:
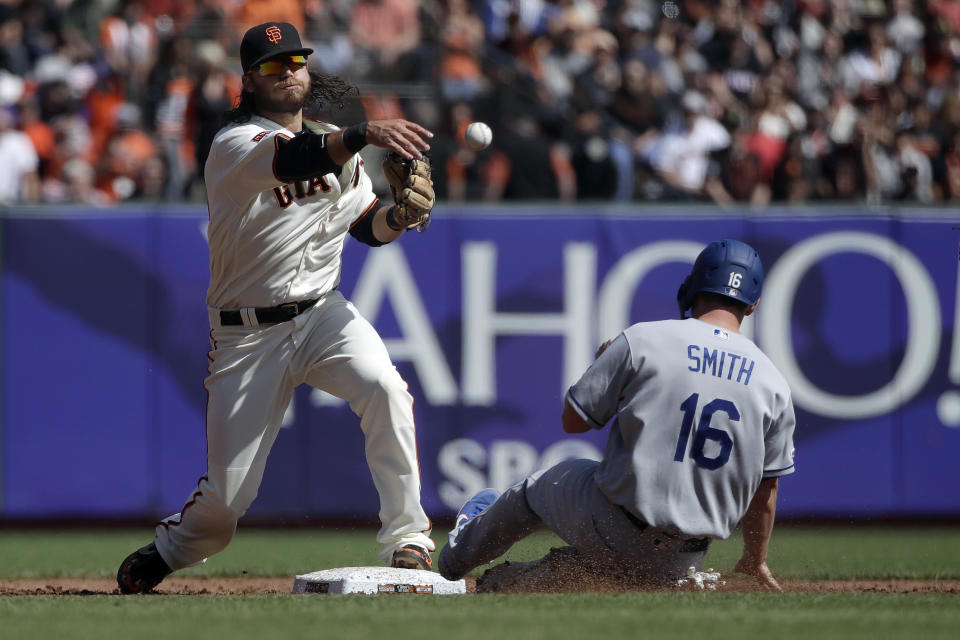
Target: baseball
(478, 135)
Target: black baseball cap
(267, 40)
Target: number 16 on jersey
(705, 432)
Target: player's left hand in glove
(412, 187)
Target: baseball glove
(412, 190)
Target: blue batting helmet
(728, 267)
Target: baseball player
(702, 430)
(283, 192)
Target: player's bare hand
(602, 348)
(402, 136)
(759, 571)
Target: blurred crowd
(747, 101)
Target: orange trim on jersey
(276, 150)
(206, 404)
(284, 197)
(416, 447)
(190, 503)
(197, 493)
(365, 212)
(416, 451)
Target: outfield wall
(489, 315)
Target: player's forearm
(381, 227)
(757, 524)
(571, 420)
(343, 144)
(310, 154)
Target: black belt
(268, 315)
(690, 545)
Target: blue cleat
(470, 510)
(475, 506)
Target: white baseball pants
(252, 375)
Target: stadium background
(626, 134)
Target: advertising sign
(490, 315)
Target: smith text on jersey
(720, 364)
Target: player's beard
(287, 102)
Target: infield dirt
(274, 586)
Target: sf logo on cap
(274, 34)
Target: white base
(377, 580)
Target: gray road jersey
(701, 416)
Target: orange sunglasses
(275, 67)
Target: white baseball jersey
(271, 241)
(702, 415)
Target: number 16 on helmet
(727, 267)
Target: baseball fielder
(702, 430)
(283, 192)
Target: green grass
(813, 553)
(868, 616)
(797, 552)
(832, 553)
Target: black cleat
(412, 556)
(142, 570)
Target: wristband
(355, 137)
(391, 219)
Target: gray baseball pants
(566, 499)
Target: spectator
(599, 82)
(876, 64)
(72, 142)
(386, 35)
(740, 173)
(103, 105)
(211, 22)
(129, 45)
(77, 185)
(18, 163)
(461, 74)
(328, 27)
(14, 56)
(949, 10)
(777, 119)
(880, 163)
(528, 166)
(905, 30)
(254, 12)
(215, 91)
(794, 179)
(555, 68)
(952, 167)
(593, 164)
(461, 173)
(916, 175)
(40, 133)
(120, 171)
(640, 101)
(682, 158)
(169, 89)
(822, 68)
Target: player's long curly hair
(326, 91)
